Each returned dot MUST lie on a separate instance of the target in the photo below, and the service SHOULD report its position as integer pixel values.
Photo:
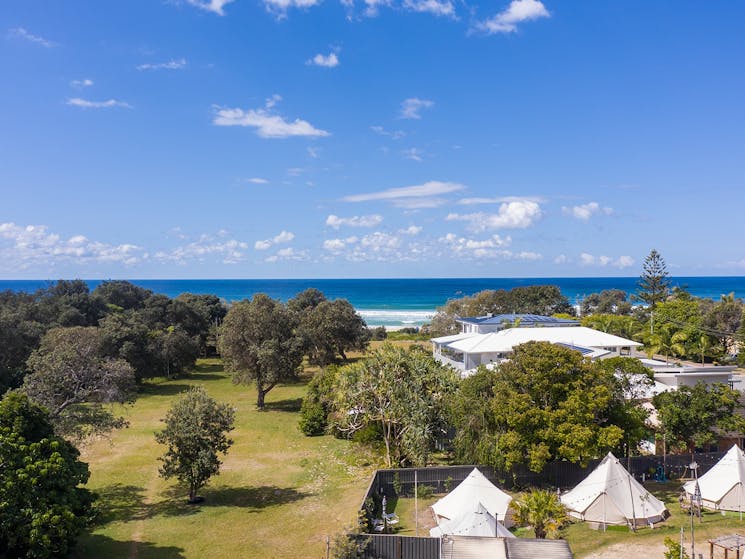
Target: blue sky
(370, 138)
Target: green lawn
(278, 495)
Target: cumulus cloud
(338, 245)
(23, 247)
(463, 247)
(86, 104)
(436, 7)
(214, 6)
(21, 33)
(283, 237)
(266, 123)
(80, 84)
(584, 212)
(354, 221)
(518, 214)
(325, 61)
(413, 107)
(179, 64)
(561, 259)
(412, 230)
(417, 196)
(288, 253)
(231, 251)
(517, 12)
(620, 262)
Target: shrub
(673, 550)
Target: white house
(496, 322)
(466, 351)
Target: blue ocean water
(402, 302)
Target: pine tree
(654, 282)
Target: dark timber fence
(401, 482)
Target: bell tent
(478, 522)
(610, 495)
(722, 487)
(468, 494)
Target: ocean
(402, 302)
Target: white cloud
(313, 152)
(214, 6)
(338, 245)
(496, 200)
(517, 12)
(80, 84)
(408, 193)
(561, 259)
(325, 61)
(257, 180)
(179, 64)
(354, 221)
(283, 237)
(436, 7)
(584, 212)
(518, 214)
(33, 245)
(86, 104)
(393, 134)
(267, 124)
(232, 251)
(412, 230)
(288, 253)
(280, 7)
(21, 33)
(413, 106)
(415, 154)
(463, 247)
(621, 262)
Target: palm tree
(666, 340)
(542, 510)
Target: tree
(534, 299)
(542, 510)
(318, 402)
(609, 301)
(332, 328)
(549, 403)
(692, 416)
(306, 301)
(258, 344)
(43, 508)
(174, 349)
(723, 321)
(654, 281)
(69, 377)
(629, 381)
(195, 432)
(401, 391)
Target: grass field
(278, 495)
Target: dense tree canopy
(404, 393)
(693, 416)
(609, 301)
(259, 344)
(332, 328)
(547, 403)
(43, 508)
(195, 432)
(69, 377)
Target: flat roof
(524, 318)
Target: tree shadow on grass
(251, 498)
(290, 405)
(96, 545)
(120, 503)
(166, 388)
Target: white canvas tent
(610, 495)
(471, 491)
(478, 522)
(722, 487)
